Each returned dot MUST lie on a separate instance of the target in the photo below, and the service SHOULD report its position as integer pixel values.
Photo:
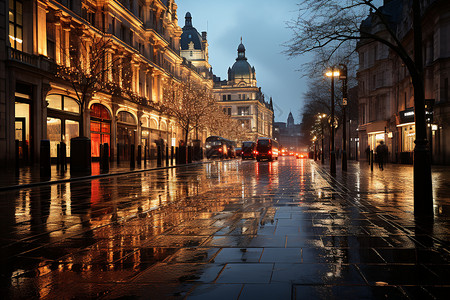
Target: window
(59, 102)
(113, 26)
(126, 117)
(100, 128)
(54, 134)
(227, 110)
(224, 97)
(16, 24)
(244, 110)
(229, 97)
(63, 119)
(51, 44)
(122, 32)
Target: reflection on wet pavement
(229, 229)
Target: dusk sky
(262, 25)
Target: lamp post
(322, 117)
(333, 73)
(315, 147)
(343, 77)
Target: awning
(378, 126)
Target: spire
(188, 20)
(241, 51)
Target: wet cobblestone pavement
(227, 230)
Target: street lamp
(333, 73)
(343, 77)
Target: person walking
(382, 153)
(368, 154)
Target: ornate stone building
(43, 35)
(386, 96)
(242, 99)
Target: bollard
(58, 156)
(17, 154)
(80, 156)
(158, 156)
(189, 156)
(139, 155)
(371, 160)
(45, 163)
(101, 157)
(63, 153)
(104, 157)
(167, 155)
(118, 154)
(132, 158)
(145, 156)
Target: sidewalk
(30, 175)
(228, 230)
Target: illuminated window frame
(16, 24)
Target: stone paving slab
(227, 230)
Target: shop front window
(100, 128)
(72, 129)
(54, 135)
(409, 135)
(63, 121)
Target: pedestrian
(368, 154)
(382, 153)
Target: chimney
(204, 35)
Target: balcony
(37, 61)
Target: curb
(91, 177)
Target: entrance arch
(100, 128)
(126, 134)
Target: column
(58, 44)
(66, 47)
(41, 30)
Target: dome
(241, 69)
(190, 34)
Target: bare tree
(188, 103)
(88, 68)
(324, 25)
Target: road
(228, 230)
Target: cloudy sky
(262, 25)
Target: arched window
(100, 112)
(100, 128)
(126, 117)
(153, 124)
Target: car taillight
(220, 150)
(270, 152)
(256, 152)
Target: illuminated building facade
(44, 35)
(386, 94)
(242, 99)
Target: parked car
(238, 151)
